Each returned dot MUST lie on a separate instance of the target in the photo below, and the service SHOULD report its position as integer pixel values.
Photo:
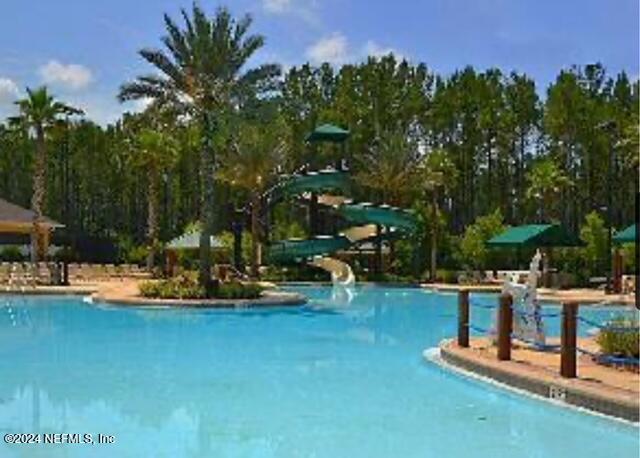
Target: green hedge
(625, 344)
(186, 287)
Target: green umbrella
(328, 133)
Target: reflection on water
(339, 377)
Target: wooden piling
(568, 340)
(463, 318)
(505, 325)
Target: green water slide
(299, 250)
(323, 181)
(382, 215)
(396, 220)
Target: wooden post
(505, 325)
(463, 318)
(617, 271)
(568, 340)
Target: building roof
(534, 235)
(14, 216)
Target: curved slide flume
(317, 250)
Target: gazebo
(17, 222)
(544, 236)
(187, 241)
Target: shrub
(131, 253)
(12, 254)
(594, 234)
(617, 343)
(473, 252)
(447, 276)
(237, 290)
(180, 287)
(186, 287)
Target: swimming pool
(341, 377)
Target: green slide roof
(535, 235)
(626, 236)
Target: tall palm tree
(252, 163)
(546, 180)
(154, 152)
(202, 72)
(387, 168)
(438, 174)
(39, 111)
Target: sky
(83, 50)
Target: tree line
(452, 147)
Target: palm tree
(252, 164)
(39, 111)
(387, 168)
(154, 152)
(438, 175)
(202, 73)
(546, 180)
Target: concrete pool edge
(562, 392)
(268, 298)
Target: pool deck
(79, 289)
(125, 292)
(580, 295)
(606, 390)
(126, 288)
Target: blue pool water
(336, 378)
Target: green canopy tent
(628, 235)
(535, 236)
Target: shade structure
(626, 236)
(328, 133)
(535, 236)
(17, 220)
(191, 241)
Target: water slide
(317, 251)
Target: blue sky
(85, 49)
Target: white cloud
(333, 49)
(336, 50)
(307, 10)
(276, 6)
(8, 90)
(70, 76)
(373, 49)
